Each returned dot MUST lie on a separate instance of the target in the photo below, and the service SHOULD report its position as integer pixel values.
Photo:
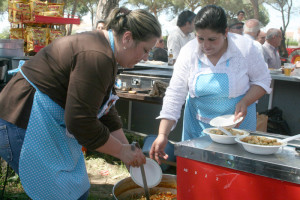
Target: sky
(167, 24)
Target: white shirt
(256, 43)
(177, 39)
(271, 56)
(246, 67)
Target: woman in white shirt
(216, 73)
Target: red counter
(201, 181)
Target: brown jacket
(77, 72)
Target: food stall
(34, 24)
(131, 107)
(209, 170)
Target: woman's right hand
(158, 148)
(131, 157)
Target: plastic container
(148, 141)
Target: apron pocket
(5, 149)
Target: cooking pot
(126, 189)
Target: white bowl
(153, 174)
(260, 149)
(224, 139)
(225, 121)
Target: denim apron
(212, 100)
(51, 162)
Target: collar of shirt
(182, 33)
(269, 46)
(231, 51)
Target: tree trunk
(73, 14)
(104, 7)
(282, 48)
(255, 8)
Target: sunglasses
(237, 27)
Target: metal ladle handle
(133, 146)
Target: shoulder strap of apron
(111, 40)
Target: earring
(124, 48)
(224, 38)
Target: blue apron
(51, 162)
(212, 100)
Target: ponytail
(142, 24)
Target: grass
(15, 191)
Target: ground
(103, 176)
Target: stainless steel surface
(283, 165)
(285, 78)
(126, 189)
(11, 48)
(130, 80)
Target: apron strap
(111, 40)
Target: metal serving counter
(217, 171)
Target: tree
(154, 6)
(104, 7)
(285, 8)
(255, 8)
(91, 7)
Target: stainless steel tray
(283, 165)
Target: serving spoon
(225, 131)
(291, 138)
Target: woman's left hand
(240, 111)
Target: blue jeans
(11, 141)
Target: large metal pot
(126, 189)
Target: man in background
(261, 38)
(241, 15)
(235, 26)
(159, 53)
(100, 24)
(270, 48)
(251, 31)
(183, 32)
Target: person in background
(241, 15)
(251, 31)
(235, 26)
(100, 25)
(159, 53)
(270, 48)
(261, 38)
(182, 34)
(215, 74)
(63, 98)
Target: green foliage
(3, 6)
(4, 34)
(154, 6)
(13, 189)
(291, 42)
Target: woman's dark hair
(184, 17)
(241, 11)
(142, 24)
(211, 17)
